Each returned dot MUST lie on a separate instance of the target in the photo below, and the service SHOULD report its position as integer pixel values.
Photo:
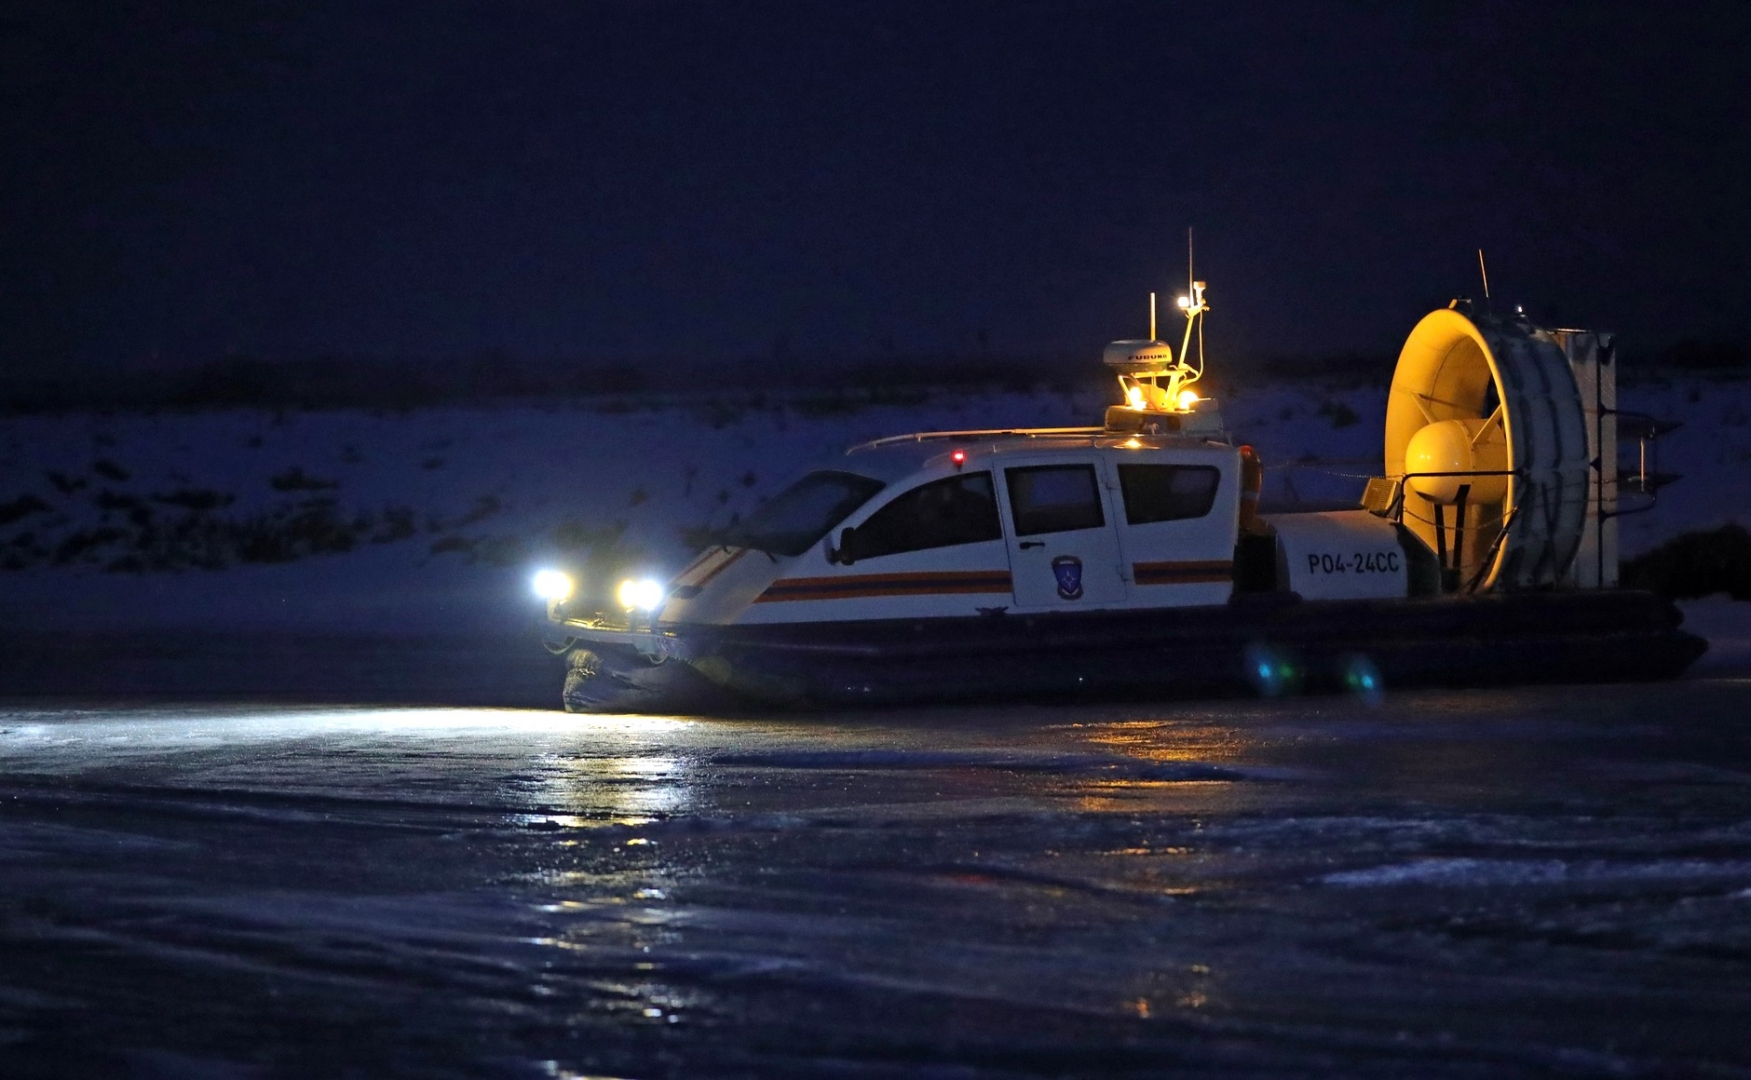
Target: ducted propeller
(1484, 427)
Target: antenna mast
(1152, 376)
(1485, 271)
(1192, 303)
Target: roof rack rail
(922, 436)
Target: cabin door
(1063, 546)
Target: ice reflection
(1168, 740)
(618, 790)
(210, 726)
(605, 900)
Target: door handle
(1025, 544)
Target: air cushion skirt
(1267, 644)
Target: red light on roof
(959, 457)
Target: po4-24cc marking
(1355, 562)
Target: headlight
(644, 593)
(552, 585)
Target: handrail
(921, 436)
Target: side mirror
(846, 553)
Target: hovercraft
(1130, 559)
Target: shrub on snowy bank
(1696, 564)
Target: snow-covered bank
(347, 522)
(352, 520)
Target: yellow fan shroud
(1484, 426)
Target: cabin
(972, 523)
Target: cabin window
(959, 510)
(1167, 492)
(801, 514)
(1054, 498)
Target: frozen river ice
(1527, 882)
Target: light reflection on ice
(565, 821)
(205, 723)
(553, 1069)
(627, 788)
(70, 737)
(1174, 740)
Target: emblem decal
(1068, 570)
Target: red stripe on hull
(861, 585)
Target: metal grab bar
(894, 440)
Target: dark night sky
(605, 180)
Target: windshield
(803, 513)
